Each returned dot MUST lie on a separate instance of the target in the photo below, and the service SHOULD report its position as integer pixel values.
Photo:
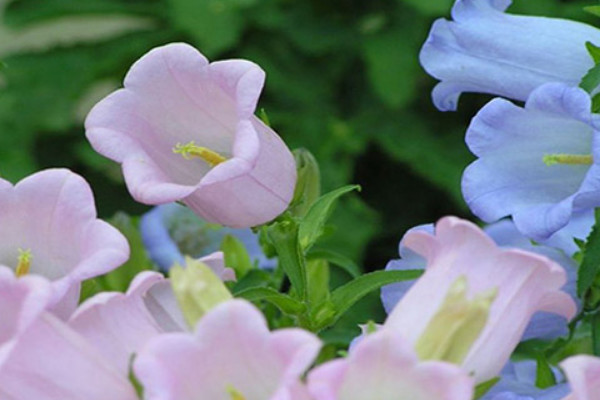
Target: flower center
(570, 159)
(190, 150)
(234, 393)
(456, 325)
(24, 262)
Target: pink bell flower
(185, 130)
(583, 373)
(232, 355)
(120, 324)
(384, 366)
(41, 357)
(506, 287)
(48, 227)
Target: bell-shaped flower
(543, 325)
(119, 324)
(492, 293)
(583, 374)
(540, 163)
(232, 355)
(41, 357)
(485, 50)
(384, 366)
(172, 231)
(185, 130)
(48, 227)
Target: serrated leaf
(284, 237)
(595, 323)
(591, 80)
(590, 266)
(282, 301)
(337, 259)
(347, 295)
(312, 225)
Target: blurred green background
(343, 80)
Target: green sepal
(308, 184)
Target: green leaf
(544, 377)
(312, 225)
(392, 67)
(255, 277)
(284, 237)
(317, 272)
(431, 7)
(236, 256)
(345, 296)
(595, 323)
(215, 25)
(20, 13)
(596, 103)
(337, 259)
(591, 80)
(484, 387)
(282, 301)
(591, 259)
(594, 10)
(594, 51)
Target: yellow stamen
(571, 159)
(234, 393)
(190, 150)
(24, 262)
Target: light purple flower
(231, 355)
(543, 325)
(51, 216)
(171, 230)
(540, 164)
(384, 366)
(485, 50)
(524, 283)
(583, 374)
(232, 170)
(120, 324)
(41, 357)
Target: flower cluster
(239, 305)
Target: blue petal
(517, 382)
(170, 230)
(510, 176)
(485, 50)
